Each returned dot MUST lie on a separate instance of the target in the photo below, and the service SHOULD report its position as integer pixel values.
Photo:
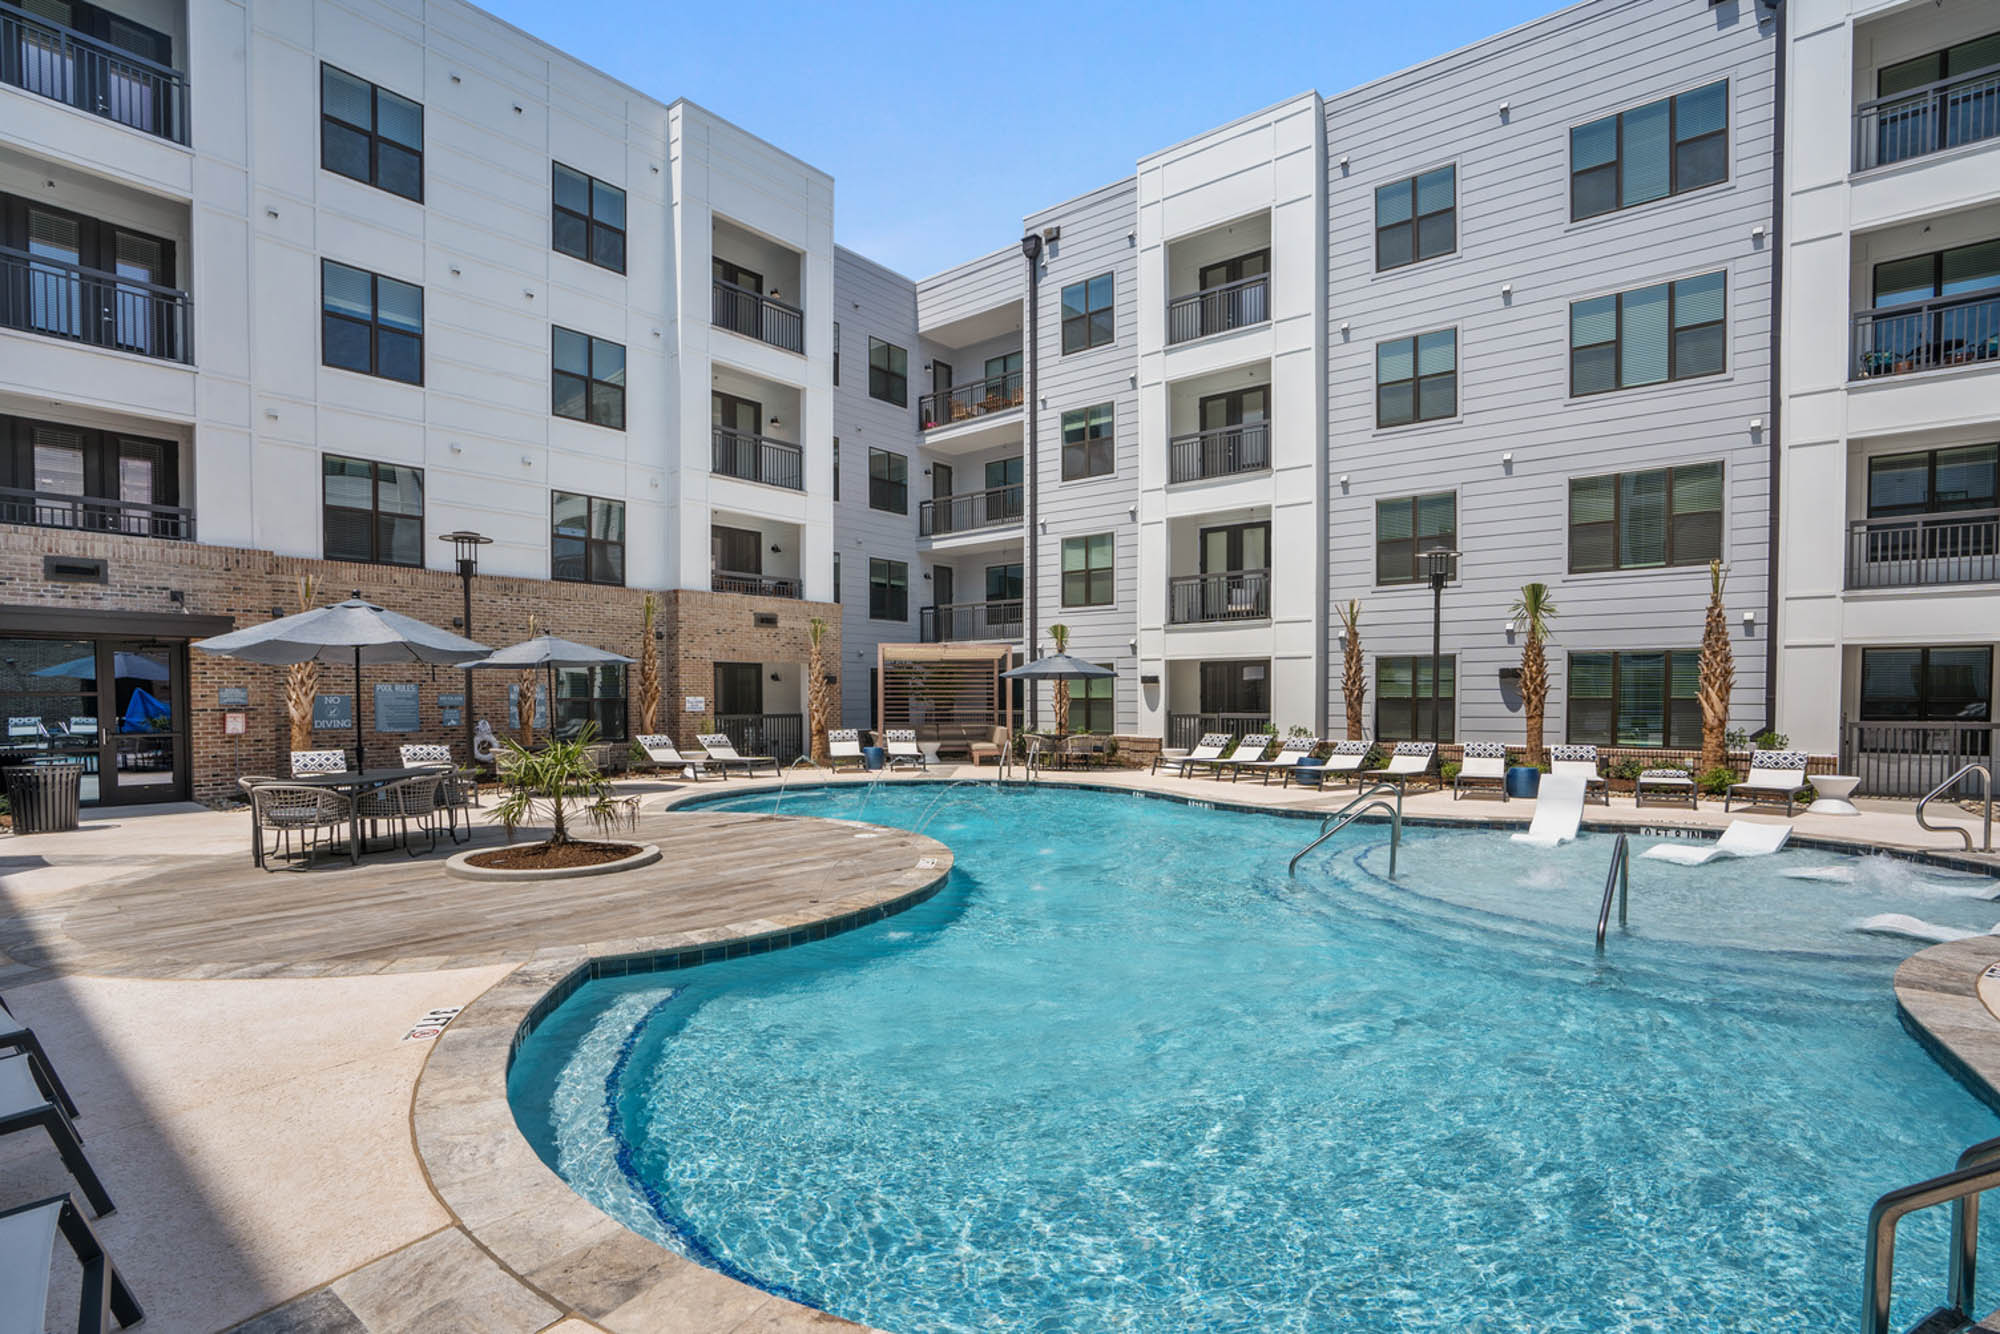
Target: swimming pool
(1122, 1073)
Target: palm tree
(561, 780)
(1532, 614)
(649, 669)
(819, 690)
(526, 691)
(1717, 675)
(1353, 677)
(1059, 636)
(302, 679)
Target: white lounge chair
(1558, 811)
(1668, 786)
(1287, 759)
(1207, 751)
(1410, 759)
(1774, 775)
(664, 754)
(1484, 762)
(1250, 749)
(17, 1036)
(1582, 762)
(719, 752)
(843, 746)
(318, 762)
(27, 1261)
(1741, 839)
(1345, 762)
(28, 1100)
(899, 746)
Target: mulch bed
(543, 857)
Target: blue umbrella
(142, 711)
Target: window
(1935, 67)
(1088, 317)
(1934, 481)
(69, 460)
(1926, 685)
(1408, 526)
(1959, 271)
(1087, 447)
(1090, 704)
(836, 467)
(1086, 571)
(836, 368)
(1403, 699)
(370, 134)
(1635, 699)
(888, 481)
(888, 590)
(1643, 520)
(371, 324)
(888, 373)
(1416, 219)
(1005, 368)
(587, 541)
(589, 220)
(735, 551)
(373, 512)
(1236, 688)
(1670, 331)
(589, 380)
(836, 577)
(591, 695)
(739, 689)
(1663, 148)
(1416, 379)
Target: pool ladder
(1986, 781)
(1364, 802)
(1977, 1172)
(1618, 877)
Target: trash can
(1523, 780)
(874, 757)
(1308, 771)
(44, 797)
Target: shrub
(1375, 758)
(1628, 769)
(1770, 740)
(1716, 781)
(1736, 738)
(1449, 770)
(561, 780)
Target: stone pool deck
(284, 1160)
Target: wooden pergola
(933, 686)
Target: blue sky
(943, 125)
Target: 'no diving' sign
(432, 1023)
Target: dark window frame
(1093, 696)
(1417, 381)
(1418, 702)
(1088, 576)
(891, 495)
(1086, 321)
(1616, 166)
(373, 324)
(370, 132)
(1672, 559)
(1868, 711)
(602, 704)
(1683, 723)
(1936, 258)
(886, 384)
(374, 512)
(1674, 331)
(836, 359)
(592, 544)
(594, 228)
(888, 589)
(591, 381)
(1415, 222)
(1930, 504)
(103, 452)
(1079, 455)
(1418, 542)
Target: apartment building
(1890, 480)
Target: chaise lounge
(1286, 760)
(1411, 759)
(1582, 762)
(1775, 775)
(664, 754)
(1484, 763)
(28, 1100)
(28, 1235)
(843, 747)
(1207, 751)
(719, 752)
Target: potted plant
(560, 784)
(1531, 614)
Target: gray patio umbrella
(1058, 667)
(356, 630)
(547, 652)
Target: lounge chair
(1207, 751)
(17, 1036)
(318, 762)
(1581, 761)
(1250, 750)
(663, 754)
(1410, 759)
(900, 744)
(843, 746)
(1484, 762)
(1669, 787)
(1774, 775)
(1287, 759)
(28, 1099)
(1345, 762)
(1741, 839)
(1558, 810)
(27, 1261)
(719, 752)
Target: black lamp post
(465, 546)
(1440, 567)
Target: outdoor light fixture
(1749, 618)
(277, 613)
(777, 550)
(1507, 459)
(1506, 289)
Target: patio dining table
(352, 783)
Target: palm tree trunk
(1717, 675)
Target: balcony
(65, 66)
(992, 508)
(62, 300)
(758, 458)
(1902, 340)
(757, 585)
(1185, 729)
(95, 514)
(1218, 309)
(1924, 549)
(963, 402)
(1946, 114)
(1221, 452)
(1908, 759)
(1236, 595)
(957, 622)
(766, 319)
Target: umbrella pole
(360, 746)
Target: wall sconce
(1757, 232)
(1343, 326)
(1756, 423)
(927, 575)
(454, 270)
(777, 550)
(659, 634)
(773, 421)
(458, 622)
(1503, 107)
(1507, 459)
(1506, 289)
(1343, 161)
(1508, 629)
(1749, 619)
(456, 79)
(774, 676)
(1343, 481)
(277, 613)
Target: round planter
(462, 868)
(1523, 780)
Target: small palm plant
(819, 690)
(1353, 673)
(561, 780)
(302, 679)
(1532, 614)
(1717, 675)
(649, 667)
(1059, 636)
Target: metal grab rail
(1977, 1171)
(1619, 876)
(1363, 803)
(1986, 782)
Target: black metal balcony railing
(1219, 452)
(95, 514)
(63, 300)
(957, 622)
(1184, 730)
(996, 393)
(66, 66)
(756, 316)
(1960, 110)
(757, 458)
(1237, 595)
(1215, 309)
(1908, 759)
(1915, 549)
(779, 735)
(757, 585)
(991, 508)
(1900, 340)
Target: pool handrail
(1375, 798)
(1618, 877)
(1978, 1171)
(1986, 780)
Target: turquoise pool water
(1123, 1074)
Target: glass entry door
(115, 706)
(141, 721)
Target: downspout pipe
(1774, 549)
(1031, 250)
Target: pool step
(1944, 1320)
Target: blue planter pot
(874, 757)
(1309, 771)
(1523, 780)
